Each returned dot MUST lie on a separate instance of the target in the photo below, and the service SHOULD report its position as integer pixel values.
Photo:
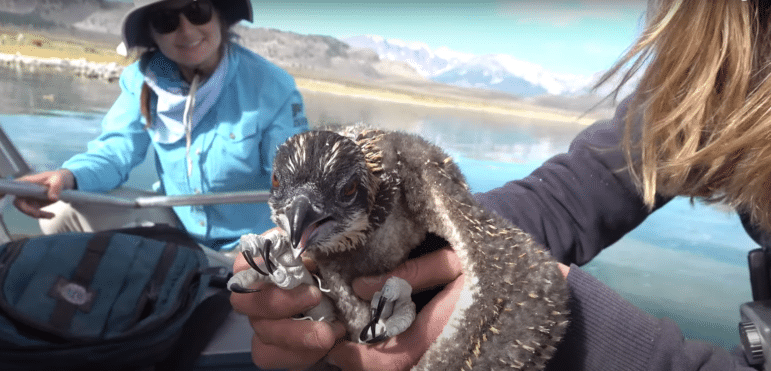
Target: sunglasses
(166, 21)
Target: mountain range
(492, 71)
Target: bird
(358, 200)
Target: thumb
(54, 188)
(433, 269)
(60, 180)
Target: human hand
(564, 269)
(280, 341)
(404, 350)
(55, 181)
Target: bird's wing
(512, 310)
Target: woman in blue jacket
(699, 126)
(213, 111)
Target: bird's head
(321, 193)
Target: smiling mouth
(190, 45)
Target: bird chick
(358, 201)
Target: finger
(54, 184)
(310, 265)
(267, 356)
(425, 272)
(57, 181)
(299, 334)
(273, 302)
(404, 350)
(32, 208)
(44, 179)
(240, 263)
(564, 269)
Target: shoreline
(110, 72)
(80, 67)
(438, 102)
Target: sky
(563, 36)
(579, 37)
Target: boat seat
(12, 166)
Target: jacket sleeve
(576, 204)
(579, 202)
(607, 332)
(120, 147)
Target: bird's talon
(266, 256)
(371, 326)
(377, 312)
(250, 260)
(377, 339)
(242, 290)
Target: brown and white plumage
(358, 201)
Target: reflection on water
(660, 266)
(469, 134)
(23, 91)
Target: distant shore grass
(474, 104)
(38, 44)
(42, 45)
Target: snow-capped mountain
(492, 71)
(427, 62)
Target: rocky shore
(78, 67)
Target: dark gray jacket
(577, 204)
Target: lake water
(685, 262)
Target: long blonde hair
(705, 103)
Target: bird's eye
(274, 181)
(350, 188)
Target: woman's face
(193, 45)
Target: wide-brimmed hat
(136, 33)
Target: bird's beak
(303, 221)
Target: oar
(27, 189)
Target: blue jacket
(232, 146)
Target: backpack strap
(11, 251)
(73, 295)
(162, 268)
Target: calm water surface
(685, 262)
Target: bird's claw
(392, 311)
(235, 287)
(278, 266)
(378, 332)
(265, 252)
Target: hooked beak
(303, 224)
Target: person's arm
(579, 202)
(608, 332)
(107, 163)
(122, 144)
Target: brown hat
(135, 31)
